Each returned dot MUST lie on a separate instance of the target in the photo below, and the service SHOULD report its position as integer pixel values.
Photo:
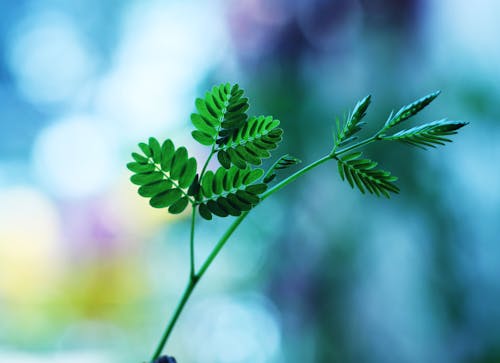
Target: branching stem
(196, 276)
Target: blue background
(318, 273)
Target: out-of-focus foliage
(87, 268)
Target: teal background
(318, 273)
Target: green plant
(170, 178)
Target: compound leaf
(362, 174)
(250, 143)
(428, 135)
(219, 114)
(283, 162)
(352, 124)
(410, 110)
(229, 191)
(164, 174)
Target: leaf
(188, 173)
(232, 190)
(145, 149)
(152, 189)
(219, 114)
(428, 135)
(204, 212)
(203, 138)
(167, 177)
(167, 152)
(178, 162)
(250, 143)
(165, 199)
(362, 174)
(283, 162)
(146, 178)
(141, 159)
(155, 147)
(410, 110)
(140, 168)
(352, 124)
(256, 188)
(179, 206)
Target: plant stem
(206, 163)
(294, 176)
(191, 243)
(196, 276)
(180, 306)
(220, 244)
(192, 283)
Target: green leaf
(253, 176)
(352, 124)
(167, 152)
(219, 114)
(216, 209)
(145, 149)
(165, 199)
(140, 168)
(256, 188)
(204, 212)
(155, 147)
(228, 207)
(207, 184)
(218, 186)
(146, 178)
(203, 126)
(362, 174)
(203, 138)
(168, 177)
(188, 173)
(179, 206)
(247, 197)
(428, 135)
(242, 205)
(150, 190)
(250, 143)
(178, 162)
(224, 159)
(283, 162)
(410, 110)
(140, 158)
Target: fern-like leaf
(410, 110)
(283, 162)
(222, 111)
(250, 143)
(352, 124)
(164, 174)
(229, 191)
(362, 174)
(428, 135)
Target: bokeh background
(318, 273)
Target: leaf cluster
(361, 172)
(170, 179)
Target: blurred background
(318, 273)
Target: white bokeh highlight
(75, 157)
(49, 58)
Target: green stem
(206, 163)
(191, 242)
(294, 176)
(220, 244)
(180, 306)
(192, 283)
(195, 277)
